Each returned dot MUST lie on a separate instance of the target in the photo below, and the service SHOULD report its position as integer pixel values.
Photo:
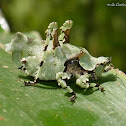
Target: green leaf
(1, 30)
(48, 105)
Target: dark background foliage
(97, 27)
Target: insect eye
(74, 61)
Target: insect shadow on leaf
(40, 83)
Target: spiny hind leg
(52, 34)
(60, 79)
(65, 31)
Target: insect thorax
(73, 67)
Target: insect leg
(30, 83)
(65, 31)
(61, 82)
(64, 85)
(109, 67)
(82, 81)
(52, 34)
(100, 88)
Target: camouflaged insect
(56, 59)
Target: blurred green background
(97, 27)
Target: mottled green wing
(70, 50)
(89, 62)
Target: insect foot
(101, 89)
(73, 97)
(28, 83)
